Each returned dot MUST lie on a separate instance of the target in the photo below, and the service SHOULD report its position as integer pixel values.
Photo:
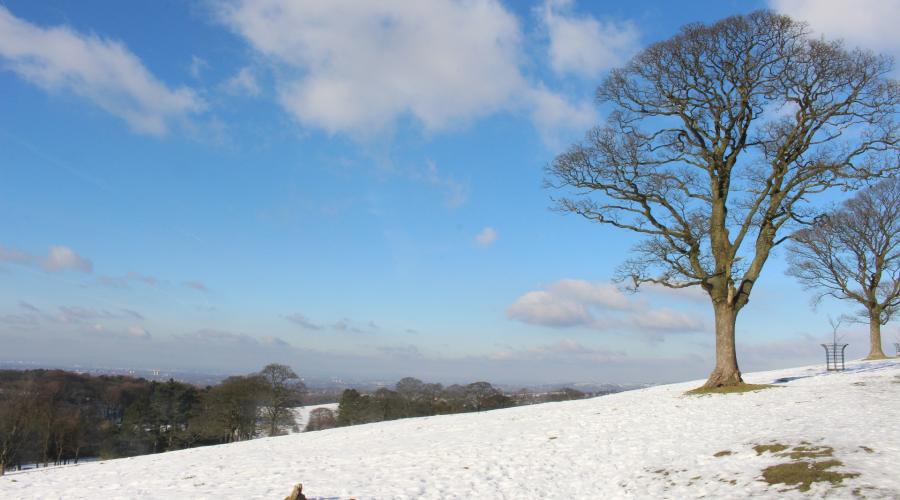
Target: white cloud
(242, 83)
(351, 67)
(867, 23)
(599, 306)
(567, 303)
(551, 113)
(365, 64)
(486, 237)
(604, 295)
(542, 308)
(138, 332)
(59, 258)
(582, 45)
(99, 70)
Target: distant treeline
(54, 416)
(413, 398)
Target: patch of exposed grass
(723, 453)
(729, 389)
(806, 473)
(867, 449)
(799, 452)
(771, 448)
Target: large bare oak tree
(853, 254)
(716, 140)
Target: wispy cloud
(101, 71)
(126, 280)
(213, 335)
(564, 350)
(456, 193)
(77, 319)
(58, 258)
(196, 285)
(342, 325)
(486, 237)
(303, 321)
(198, 66)
(242, 83)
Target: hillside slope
(654, 442)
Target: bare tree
(716, 140)
(853, 253)
(284, 391)
(320, 419)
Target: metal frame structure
(834, 356)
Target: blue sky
(354, 189)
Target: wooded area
(56, 417)
(52, 417)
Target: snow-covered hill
(651, 443)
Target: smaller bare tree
(835, 326)
(853, 253)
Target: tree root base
(729, 389)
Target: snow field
(651, 443)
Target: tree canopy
(716, 143)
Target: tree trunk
(726, 372)
(875, 351)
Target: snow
(650, 443)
